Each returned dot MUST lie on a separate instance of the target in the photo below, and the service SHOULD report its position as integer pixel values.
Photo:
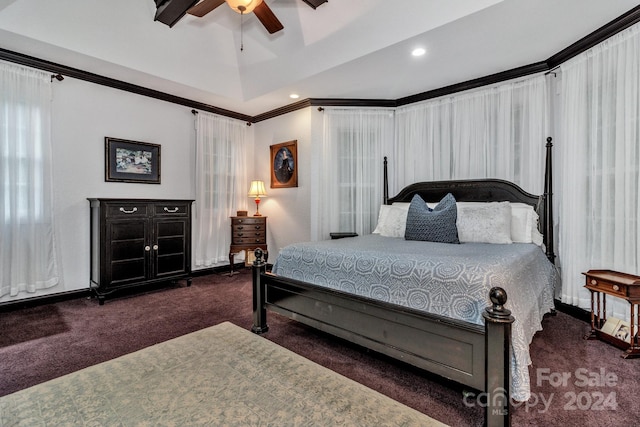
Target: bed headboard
(486, 190)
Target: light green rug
(220, 376)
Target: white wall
(288, 209)
(83, 115)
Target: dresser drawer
(248, 228)
(248, 221)
(171, 208)
(126, 210)
(249, 241)
(609, 287)
(248, 234)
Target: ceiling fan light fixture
(243, 6)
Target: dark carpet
(574, 382)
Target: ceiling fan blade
(204, 7)
(268, 18)
(314, 3)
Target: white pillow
(524, 224)
(484, 222)
(524, 220)
(392, 221)
(521, 217)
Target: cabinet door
(127, 257)
(171, 248)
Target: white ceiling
(343, 49)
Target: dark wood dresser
(137, 242)
(247, 233)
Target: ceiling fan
(262, 11)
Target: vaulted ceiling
(355, 49)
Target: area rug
(219, 376)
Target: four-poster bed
(474, 353)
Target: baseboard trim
(43, 300)
(573, 311)
(86, 293)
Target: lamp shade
(257, 189)
(243, 6)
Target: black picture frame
(131, 161)
(284, 164)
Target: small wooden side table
(247, 234)
(621, 285)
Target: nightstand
(247, 234)
(621, 285)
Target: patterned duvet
(451, 280)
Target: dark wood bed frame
(473, 355)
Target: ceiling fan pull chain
(241, 30)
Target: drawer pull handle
(240, 228)
(257, 227)
(594, 282)
(128, 212)
(147, 248)
(174, 210)
(616, 287)
(240, 234)
(155, 247)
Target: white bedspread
(451, 280)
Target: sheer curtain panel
(28, 259)
(349, 188)
(221, 184)
(496, 132)
(600, 177)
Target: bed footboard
(470, 354)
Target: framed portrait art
(131, 161)
(284, 165)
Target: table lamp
(257, 190)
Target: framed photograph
(610, 325)
(623, 331)
(284, 165)
(131, 161)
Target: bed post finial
(497, 325)
(259, 294)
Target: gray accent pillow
(432, 225)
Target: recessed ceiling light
(419, 51)
(294, 96)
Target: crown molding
(76, 73)
(615, 26)
(598, 36)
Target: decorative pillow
(432, 225)
(391, 221)
(484, 222)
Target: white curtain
(600, 177)
(495, 132)
(28, 259)
(349, 190)
(221, 184)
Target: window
(349, 190)
(28, 257)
